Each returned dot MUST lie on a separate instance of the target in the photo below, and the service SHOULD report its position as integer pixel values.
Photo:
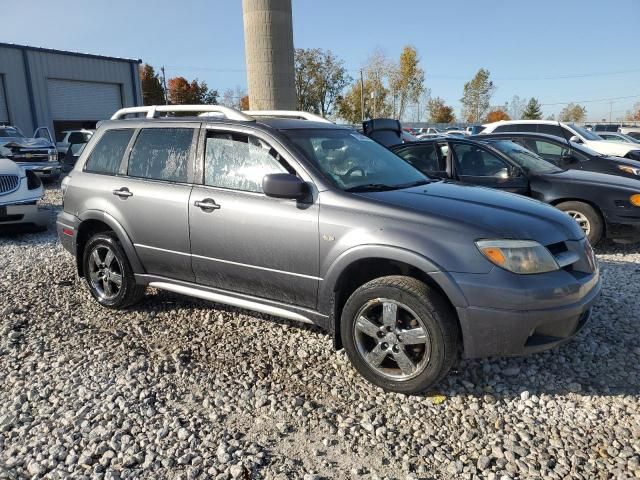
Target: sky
(555, 50)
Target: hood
(25, 143)
(617, 149)
(493, 214)
(9, 167)
(591, 178)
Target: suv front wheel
(400, 334)
(108, 272)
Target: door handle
(207, 204)
(123, 192)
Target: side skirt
(239, 300)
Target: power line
(591, 101)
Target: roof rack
(152, 110)
(287, 114)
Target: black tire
(590, 214)
(129, 292)
(435, 315)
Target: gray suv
(318, 223)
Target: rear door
(150, 196)
(242, 240)
(476, 165)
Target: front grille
(9, 183)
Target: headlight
(628, 169)
(53, 155)
(518, 256)
(635, 200)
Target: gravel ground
(182, 388)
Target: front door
(477, 166)
(244, 241)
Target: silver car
(318, 223)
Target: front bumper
(623, 224)
(537, 312)
(25, 214)
(45, 170)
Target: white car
(20, 192)
(618, 137)
(568, 131)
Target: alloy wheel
(105, 272)
(392, 339)
(581, 220)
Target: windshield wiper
(371, 187)
(414, 184)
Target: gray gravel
(181, 388)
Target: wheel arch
(95, 221)
(365, 263)
(557, 201)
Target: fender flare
(443, 279)
(120, 232)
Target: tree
(573, 113)
(244, 103)
(152, 91)
(634, 113)
(183, 92)
(516, 107)
(532, 110)
(375, 101)
(439, 112)
(496, 115)
(477, 96)
(406, 79)
(233, 98)
(320, 77)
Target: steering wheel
(352, 170)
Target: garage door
(73, 100)
(4, 111)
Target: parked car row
(316, 222)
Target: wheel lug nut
(380, 334)
(396, 349)
(385, 345)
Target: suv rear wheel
(109, 274)
(399, 334)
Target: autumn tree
(232, 97)
(320, 77)
(439, 112)
(477, 95)
(573, 113)
(152, 91)
(244, 102)
(183, 92)
(375, 104)
(634, 114)
(532, 111)
(496, 115)
(406, 80)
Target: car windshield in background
(584, 132)
(526, 159)
(10, 133)
(581, 148)
(354, 162)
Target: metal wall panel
(15, 86)
(4, 112)
(76, 100)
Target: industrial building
(63, 90)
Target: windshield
(526, 159)
(581, 148)
(584, 133)
(10, 132)
(354, 162)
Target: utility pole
(164, 82)
(361, 96)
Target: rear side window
(239, 162)
(555, 130)
(161, 154)
(106, 156)
(423, 157)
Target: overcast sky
(557, 51)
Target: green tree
(320, 77)
(532, 111)
(477, 95)
(573, 113)
(439, 112)
(406, 79)
(152, 91)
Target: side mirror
(284, 185)
(575, 139)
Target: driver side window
(473, 161)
